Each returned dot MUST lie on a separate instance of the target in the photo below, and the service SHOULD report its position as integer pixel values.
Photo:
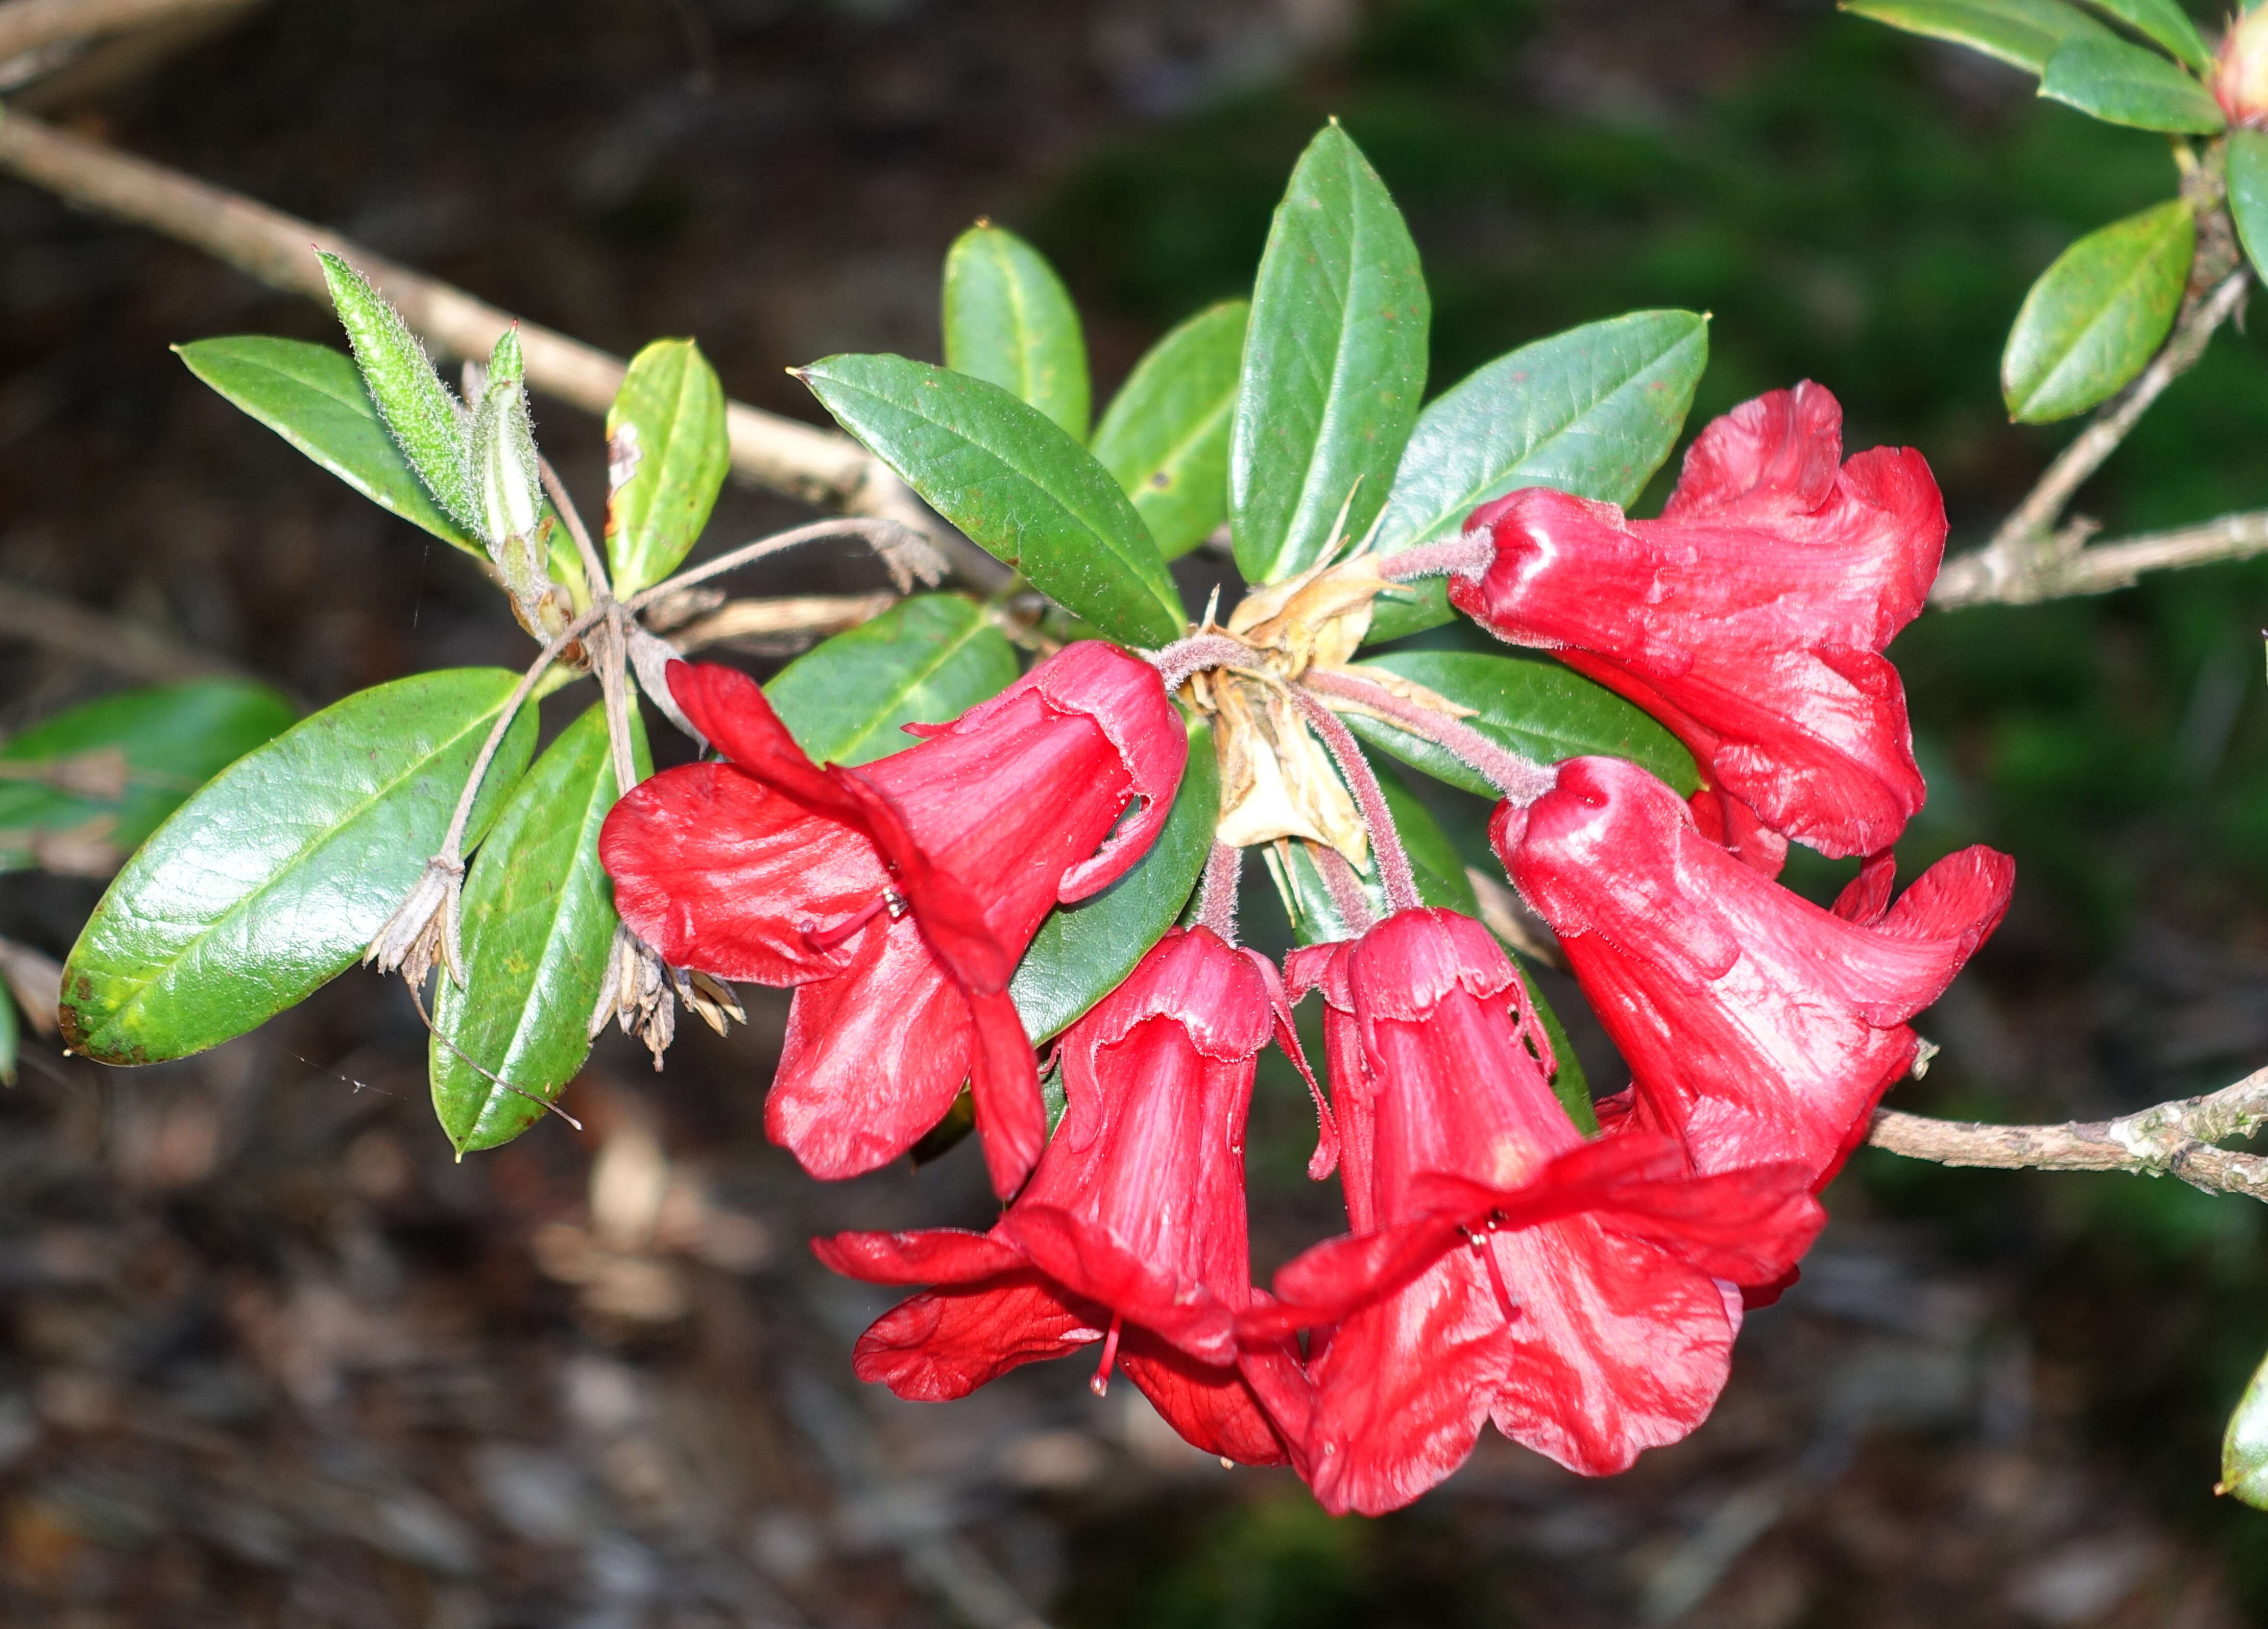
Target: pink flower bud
(2240, 71)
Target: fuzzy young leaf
(924, 661)
(1592, 411)
(1334, 364)
(2096, 316)
(1530, 706)
(1084, 951)
(1011, 480)
(668, 454)
(155, 747)
(2245, 1450)
(314, 398)
(539, 922)
(271, 880)
(2165, 22)
(1165, 435)
(1009, 320)
(2122, 84)
(422, 412)
(2023, 34)
(501, 452)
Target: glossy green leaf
(1531, 706)
(2023, 34)
(2245, 1450)
(2165, 22)
(2122, 84)
(313, 397)
(924, 660)
(153, 746)
(1166, 436)
(1334, 364)
(1084, 951)
(2248, 191)
(1012, 480)
(2097, 315)
(539, 921)
(1009, 320)
(668, 454)
(422, 413)
(1592, 411)
(273, 878)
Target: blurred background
(267, 1355)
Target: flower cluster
(1581, 1292)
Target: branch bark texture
(2175, 1138)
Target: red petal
(1213, 1408)
(1777, 454)
(922, 1256)
(944, 1344)
(718, 872)
(1091, 1262)
(1005, 1081)
(873, 1056)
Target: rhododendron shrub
(992, 835)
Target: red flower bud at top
(1750, 618)
(1132, 1230)
(898, 895)
(1500, 1265)
(1755, 1024)
(2240, 71)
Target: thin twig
(2103, 567)
(61, 624)
(877, 532)
(793, 616)
(2175, 1138)
(28, 24)
(778, 453)
(455, 841)
(1394, 873)
(562, 501)
(612, 646)
(2028, 555)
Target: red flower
(1499, 1265)
(898, 896)
(1750, 618)
(1132, 1231)
(1756, 1026)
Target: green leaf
(273, 878)
(2248, 190)
(161, 744)
(539, 921)
(422, 412)
(2245, 1450)
(1012, 480)
(2023, 34)
(2097, 315)
(924, 661)
(1084, 951)
(1166, 436)
(1334, 364)
(313, 397)
(1531, 706)
(667, 426)
(1009, 320)
(1592, 411)
(2122, 84)
(12, 1038)
(2165, 22)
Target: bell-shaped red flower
(1755, 1024)
(1750, 618)
(898, 896)
(1132, 1230)
(1500, 1265)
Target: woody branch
(2175, 1138)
